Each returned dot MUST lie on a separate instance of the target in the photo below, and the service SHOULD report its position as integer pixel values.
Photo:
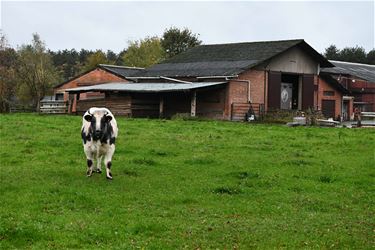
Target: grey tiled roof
(363, 71)
(122, 71)
(226, 59)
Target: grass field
(186, 184)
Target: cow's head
(99, 123)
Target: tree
(93, 60)
(8, 83)
(370, 58)
(67, 62)
(175, 41)
(332, 53)
(35, 71)
(120, 60)
(353, 54)
(350, 54)
(143, 53)
(111, 57)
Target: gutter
(214, 77)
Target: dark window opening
(59, 96)
(328, 93)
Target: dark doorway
(328, 108)
(289, 91)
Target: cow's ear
(88, 117)
(108, 118)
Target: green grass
(186, 184)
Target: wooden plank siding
(308, 89)
(274, 89)
(209, 104)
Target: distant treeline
(350, 54)
(29, 72)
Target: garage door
(328, 108)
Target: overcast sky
(110, 25)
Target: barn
(223, 81)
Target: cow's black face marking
(88, 117)
(85, 138)
(104, 132)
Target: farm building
(101, 74)
(224, 81)
(359, 80)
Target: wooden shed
(156, 99)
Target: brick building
(99, 75)
(359, 80)
(226, 81)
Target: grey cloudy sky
(109, 25)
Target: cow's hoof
(99, 171)
(109, 176)
(88, 175)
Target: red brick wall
(96, 76)
(237, 91)
(337, 97)
(257, 82)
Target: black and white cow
(99, 133)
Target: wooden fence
(19, 108)
(241, 111)
(53, 107)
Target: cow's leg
(90, 160)
(99, 164)
(108, 161)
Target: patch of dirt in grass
(144, 161)
(161, 153)
(242, 175)
(199, 161)
(298, 162)
(130, 173)
(227, 190)
(326, 179)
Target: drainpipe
(317, 94)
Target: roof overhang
(333, 82)
(145, 87)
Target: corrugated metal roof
(145, 87)
(363, 71)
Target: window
(328, 93)
(59, 97)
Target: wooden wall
(211, 103)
